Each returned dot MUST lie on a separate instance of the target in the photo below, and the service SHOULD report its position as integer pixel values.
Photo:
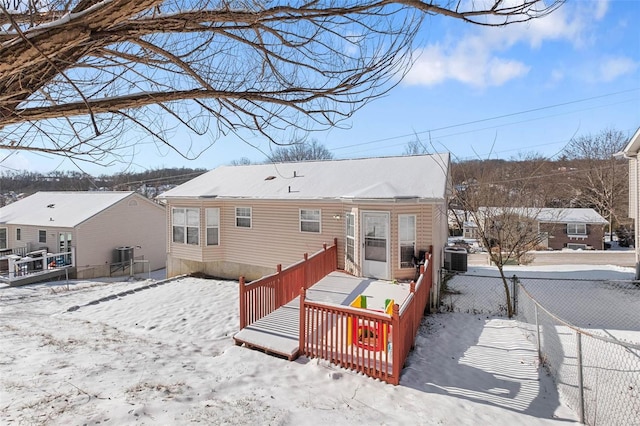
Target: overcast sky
(473, 91)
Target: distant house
(572, 228)
(244, 220)
(461, 225)
(631, 152)
(566, 228)
(97, 226)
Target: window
(577, 246)
(3, 238)
(577, 228)
(18, 234)
(213, 226)
(309, 220)
(407, 235)
(42, 236)
(243, 217)
(351, 236)
(186, 225)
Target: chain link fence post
(580, 377)
(514, 293)
(535, 310)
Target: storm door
(375, 237)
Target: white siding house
(94, 224)
(631, 152)
(244, 220)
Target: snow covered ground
(161, 353)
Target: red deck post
(335, 245)
(302, 331)
(305, 273)
(278, 286)
(398, 344)
(415, 316)
(243, 307)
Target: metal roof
(383, 178)
(65, 209)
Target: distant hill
(16, 185)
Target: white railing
(38, 262)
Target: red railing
(375, 344)
(261, 297)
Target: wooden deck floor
(278, 332)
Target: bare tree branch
(87, 70)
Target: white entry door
(375, 237)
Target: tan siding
(123, 224)
(424, 232)
(275, 236)
(29, 237)
(179, 250)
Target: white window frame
(187, 227)
(243, 216)
(314, 212)
(406, 242)
(350, 236)
(18, 234)
(209, 225)
(575, 230)
(42, 232)
(575, 246)
(4, 242)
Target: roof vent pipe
(289, 188)
(295, 174)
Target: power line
(498, 118)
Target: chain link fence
(474, 294)
(587, 333)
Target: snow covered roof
(633, 147)
(64, 209)
(408, 177)
(570, 216)
(556, 215)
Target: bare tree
(76, 74)
(243, 161)
(499, 203)
(602, 179)
(300, 151)
(415, 147)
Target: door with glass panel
(375, 246)
(64, 248)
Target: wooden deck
(38, 276)
(278, 332)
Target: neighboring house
(94, 224)
(470, 230)
(572, 228)
(244, 220)
(631, 152)
(561, 228)
(462, 225)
